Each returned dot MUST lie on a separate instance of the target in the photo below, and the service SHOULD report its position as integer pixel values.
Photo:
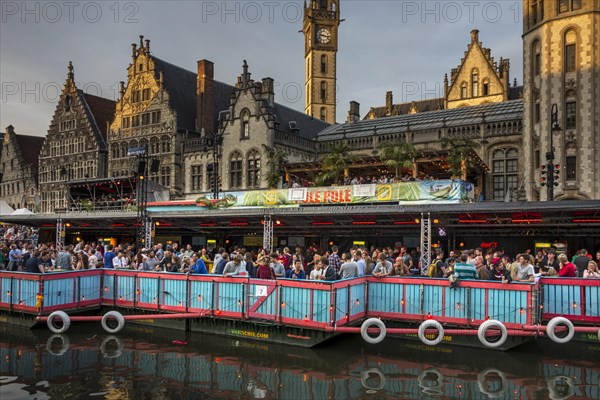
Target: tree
(397, 154)
(335, 164)
(275, 161)
(460, 155)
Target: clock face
(323, 36)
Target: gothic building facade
(561, 46)
(19, 170)
(75, 147)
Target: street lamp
(551, 168)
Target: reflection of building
(19, 169)
(75, 146)
(562, 66)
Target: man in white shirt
(120, 261)
(524, 271)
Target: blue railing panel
(295, 302)
(477, 306)
(201, 294)
(456, 303)
(231, 297)
(28, 293)
(321, 300)
(149, 290)
(357, 299)
(592, 301)
(341, 299)
(562, 299)
(508, 306)
(413, 299)
(385, 297)
(174, 292)
(269, 304)
(89, 287)
(432, 300)
(58, 292)
(109, 287)
(126, 288)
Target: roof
(308, 126)
(181, 86)
(30, 147)
(404, 108)
(102, 111)
(426, 121)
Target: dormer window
(463, 90)
(475, 83)
(245, 128)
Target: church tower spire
(321, 22)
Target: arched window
(154, 146)
(323, 114)
(504, 172)
(537, 58)
(144, 144)
(570, 52)
(323, 64)
(197, 178)
(463, 90)
(124, 147)
(165, 176)
(571, 162)
(165, 144)
(114, 150)
(253, 169)
(235, 170)
(486, 87)
(475, 83)
(323, 90)
(245, 127)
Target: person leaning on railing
(523, 271)
(592, 270)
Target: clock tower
(321, 22)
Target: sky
(397, 45)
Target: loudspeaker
(139, 166)
(154, 165)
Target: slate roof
(493, 112)
(308, 126)
(101, 111)
(30, 147)
(181, 85)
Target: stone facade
(19, 170)
(561, 44)
(321, 23)
(75, 146)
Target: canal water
(148, 363)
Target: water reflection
(147, 363)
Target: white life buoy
(560, 387)
(64, 344)
(431, 323)
(492, 324)
(431, 388)
(58, 327)
(367, 324)
(551, 327)
(108, 351)
(113, 315)
(483, 388)
(365, 375)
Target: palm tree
(335, 164)
(397, 154)
(275, 160)
(459, 156)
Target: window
(537, 158)
(253, 169)
(165, 144)
(571, 111)
(146, 93)
(196, 178)
(155, 117)
(563, 6)
(323, 114)
(475, 83)
(463, 90)
(571, 168)
(570, 57)
(486, 88)
(165, 176)
(575, 5)
(323, 90)
(504, 172)
(145, 119)
(323, 64)
(135, 121)
(536, 113)
(245, 128)
(537, 58)
(135, 96)
(126, 122)
(154, 146)
(235, 171)
(534, 12)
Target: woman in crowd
(567, 268)
(81, 261)
(264, 270)
(592, 270)
(400, 269)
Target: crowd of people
(20, 254)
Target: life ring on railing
(560, 321)
(107, 324)
(108, 351)
(365, 375)
(431, 323)
(563, 392)
(483, 387)
(64, 344)
(492, 324)
(367, 324)
(58, 327)
(431, 390)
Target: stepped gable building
(321, 23)
(160, 107)
(251, 120)
(75, 147)
(561, 44)
(19, 169)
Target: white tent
(22, 211)
(5, 209)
